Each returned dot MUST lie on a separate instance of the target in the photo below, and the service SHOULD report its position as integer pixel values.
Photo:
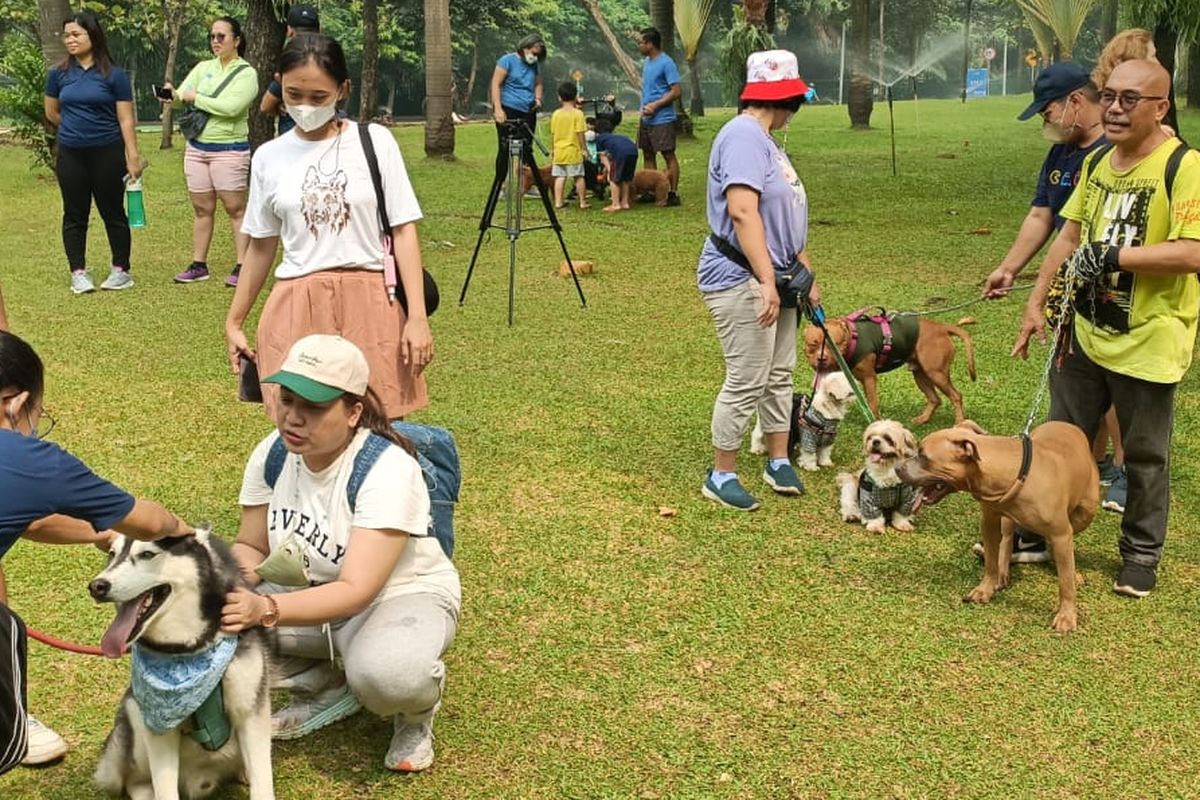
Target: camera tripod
(517, 136)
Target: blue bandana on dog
(169, 688)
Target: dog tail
(968, 344)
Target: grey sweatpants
(1080, 393)
(392, 652)
(758, 365)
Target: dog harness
(815, 430)
(892, 337)
(170, 688)
(875, 501)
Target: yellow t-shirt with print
(565, 127)
(1143, 326)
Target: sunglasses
(1128, 100)
(216, 37)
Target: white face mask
(311, 118)
(590, 136)
(531, 58)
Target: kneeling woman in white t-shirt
(369, 587)
(311, 189)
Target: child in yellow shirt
(567, 145)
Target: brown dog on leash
(881, 342)
(1046, 482)
(527, 177)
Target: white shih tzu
(876, 493)
(813, 425)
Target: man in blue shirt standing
(300, 19)
(660, 90)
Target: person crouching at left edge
(758, 215)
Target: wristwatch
(270, 618)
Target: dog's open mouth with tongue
(932, 487)
(131, 619)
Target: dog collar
(1023, 473)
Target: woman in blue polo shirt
(90, 101)
(48, 495)
(517, 92)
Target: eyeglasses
(46, 416)
(1129, 100)
(216, 37)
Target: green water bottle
(134, 203)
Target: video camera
(518, 130)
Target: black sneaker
(672, 199)
(1135, 580)
(1025, 551)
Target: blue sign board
(977, 82)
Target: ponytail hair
(375, 418)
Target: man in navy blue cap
(1072, 118)
(300, 19)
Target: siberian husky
(169, 595)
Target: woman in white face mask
(312, 190)
(516, 91)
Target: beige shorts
(567, 170)
(223, 171)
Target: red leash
(60, 644)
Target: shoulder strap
(371, 450)
(376, 176)
(1173, 162)
(221, 86)
(1093, 158)
(276, 457)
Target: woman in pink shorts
(217, 161)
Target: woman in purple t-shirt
(758, 214)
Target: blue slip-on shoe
(731, 494)
(783, 479)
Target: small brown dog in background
(652, 180)
(876, 494)
(926, 347)
(1048, 484)
(527, 177)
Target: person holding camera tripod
(758, 215)
(517, 94)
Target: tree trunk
(51, 14)
(264, 40)
(860, 103)
(174, 23)
(1193, 84)
(468, 99)
(439, 75)
(882, 46)
(1166, 37)
(624, 60)
(772, 15)
(1108, 19)
(697, 109)
(368, 87)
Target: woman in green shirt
(217, 161)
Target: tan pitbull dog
(1050, 486)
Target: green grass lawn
(607, 651)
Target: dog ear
(203, 531)
(972, 425)
(969, 449)
(910, 443)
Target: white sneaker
(44, 744)
(81, 282)
(118, 279)
(411, 749)
(311, 712)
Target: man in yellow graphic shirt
(1134, 233)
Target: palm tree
(264, 40)
(1063, 18)
(860, 103)
(51, 14)
(691, 20)
(624, 60)
(439, 76)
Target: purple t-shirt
(744, 154)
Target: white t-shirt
(318, 198)
(313, 508)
